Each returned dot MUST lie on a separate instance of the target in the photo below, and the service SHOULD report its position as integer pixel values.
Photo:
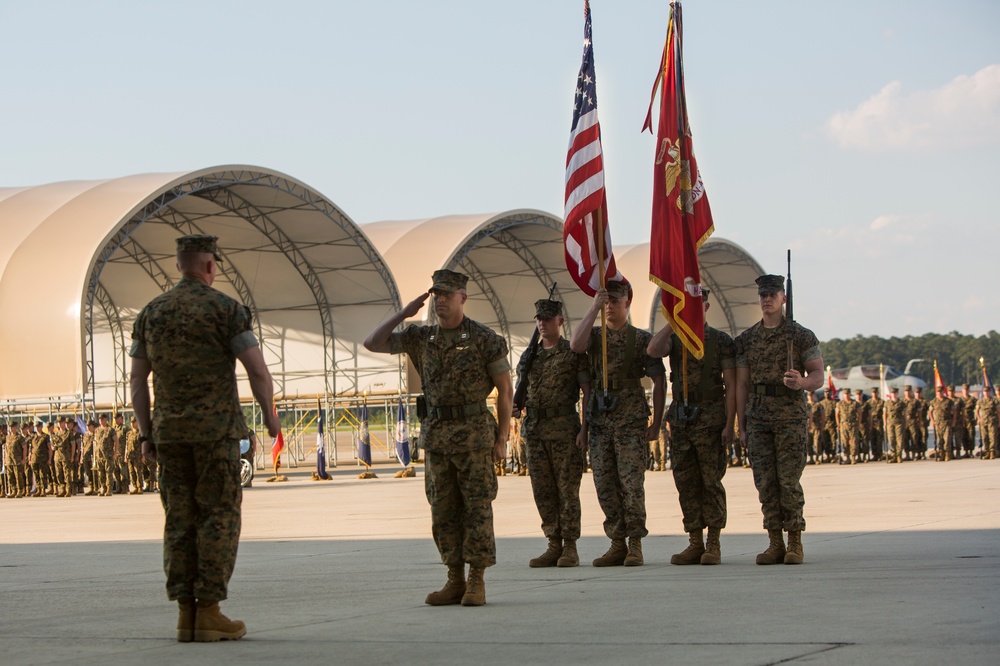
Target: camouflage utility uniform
(848, 423)
(816, 420)
(699, 457)
(776, 418)
(989, 426)
(458, 433)
(913, 438)
(829, 426)
(968, 406)
(550, 427)
(191, 336)
(133, 455)
(943, 412)
(876, 426)
(895, 416)
(659, 448)
(104, 456)
(62, 445)
(922, 423)
(41, 462)
(16, 457)
(87, 463)
(618, 447)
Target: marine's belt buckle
(606, 403)
(688, 413)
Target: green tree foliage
(957, 355)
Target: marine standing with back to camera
(190, 338)
(773, 415)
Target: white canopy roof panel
(80, 259)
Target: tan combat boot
(549, 557)
(475, 589)
(570, 558)
(185, 620)
(713, 550)
(452, 591)
(634, 557)
(794, 555)
(615, 557)
(210, 625)
(692, 554)
(775, 553)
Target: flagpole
(603, 278)
(681, 122)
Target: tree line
(957, 355)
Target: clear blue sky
(863, 135)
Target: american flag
(585, 193)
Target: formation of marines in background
(895, 429)
(57, 459)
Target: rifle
(524, 367)
(789, 333)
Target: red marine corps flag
(585, 234)
(682, 220)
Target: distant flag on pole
(937, 377)
(81, 424)
(321, 444)
(585, 198)
(987, 384)
(882, 384)
(682, 219)
(830, 388)
(364, 441)
(402, 436)
(277, 445)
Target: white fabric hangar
(726, 269)
(78, 260)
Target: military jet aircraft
(866, 377)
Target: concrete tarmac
(902, 566)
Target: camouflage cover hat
(619, 289)
(894, 389)
(103, 416)
(546, 309)
(770, 283)
(965, 386)
(448, 281)
(858, 392)
(199, 243)
(920, 389)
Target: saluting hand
(414, 306)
